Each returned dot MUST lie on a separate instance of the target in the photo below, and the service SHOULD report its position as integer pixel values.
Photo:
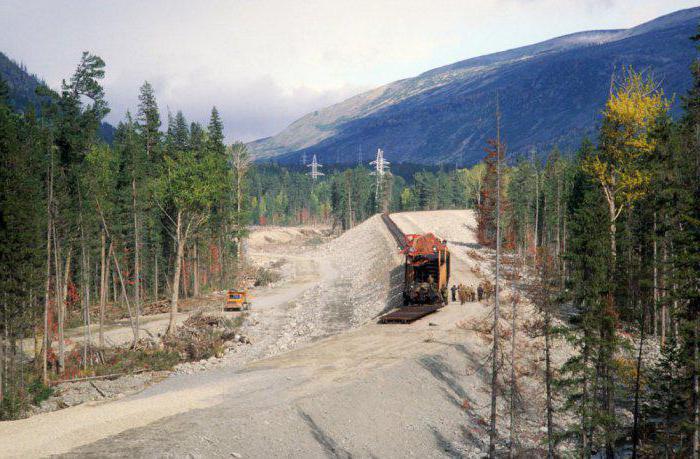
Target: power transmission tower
(381, 167)
(315, 173)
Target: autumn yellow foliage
(631, 112)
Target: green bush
(12, 405)
(265, 277)
(39, 391)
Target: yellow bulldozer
(236, 300)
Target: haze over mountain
(551, 93)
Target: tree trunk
(47, 287)
(57, 289)
(537, 208)
(696, 387)
(548, 382)
(125, 296)
(5, 353)
(564, 266)
(137, 274)
(115, 281)
(664, 306)
(3, 366)
(185, 274)
(558, 233)
(195, 269)
(85, 297)
(62, 312)
(513, 383)
(585, 441)
(656, 280)
(155, 276)
(493, 434)
(609, 332)
(635, 428)
(103, 286)
(613, 230)
(545, 229)
(121, 278)
(176, 274)
(222, 263)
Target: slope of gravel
(358, 280)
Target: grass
(122, 360)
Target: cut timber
(407, 314)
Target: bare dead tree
(515, 299)
(496, 309)
(47, 287)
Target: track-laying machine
(426, 274)
(427, 270)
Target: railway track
(405, 314)
(394, 230)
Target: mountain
(21, 83)
(23, 86)
(550, 93)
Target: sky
(265, 63)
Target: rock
(236, 455)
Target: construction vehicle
(236, 300)
(426, 274)
(427, 270)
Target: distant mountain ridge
(551, 93)
(23, 86)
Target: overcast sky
(264, 63)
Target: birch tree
(185, 192)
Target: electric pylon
(315, 173)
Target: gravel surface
(319, 378)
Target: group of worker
(467, 293)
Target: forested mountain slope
(551, 93)
(22, 86)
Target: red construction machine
(426, 274)
(427, 270)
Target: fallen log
(91, 378)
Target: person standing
(454, 292)
(480, 292)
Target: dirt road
(348, 387)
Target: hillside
(23, 86)
(551, 93)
